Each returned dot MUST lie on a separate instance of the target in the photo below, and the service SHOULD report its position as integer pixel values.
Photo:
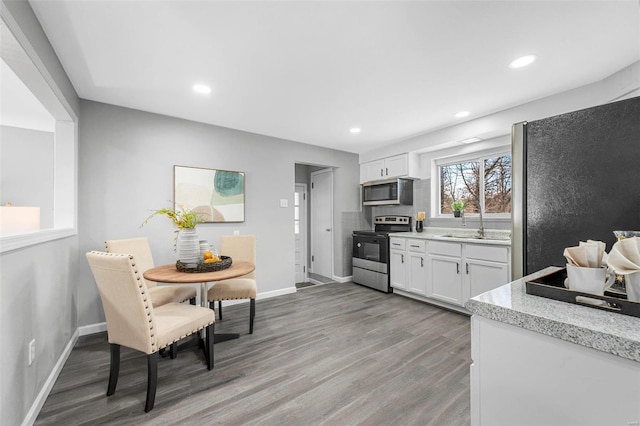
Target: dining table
(171, 275)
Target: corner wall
(126, 170)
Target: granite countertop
(492, 236)
(609, 332)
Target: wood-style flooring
(335, 354)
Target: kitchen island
(538, 361)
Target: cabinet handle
(422, 262)
(381, 172)
(411, 245)
(387, 170)
(467, 269)
(457, 268)
(402, 258)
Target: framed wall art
(216, 195)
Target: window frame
(479, 156)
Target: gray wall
(38, 295)
(126, 170)
(26, 170)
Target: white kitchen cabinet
(408, 265)
(459, 271)
(445, 277)
(486, 267)
(372, 170)
(397, 256)
(417, 267)
(403, 165)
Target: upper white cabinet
(403, 165)
(373, 170)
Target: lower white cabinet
(445, 277)
(417, 266)
(450, 272)
(409, 265)
(398, 270)
(460, 271)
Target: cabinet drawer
(445, 249)
(487, 252)
(416, 245)
(397, 243)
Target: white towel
(624, 257)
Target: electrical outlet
(32, 351)
(284, 202)
(236, 232)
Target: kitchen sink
(474, 237)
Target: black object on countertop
(552, 286)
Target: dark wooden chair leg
(114, 370)
(209, 349)
(220, 309)
(152, 380)
(192, 301)
(173, 348)
(252, 314)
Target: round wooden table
(169, 274)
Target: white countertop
(492, 236)
(609, 332)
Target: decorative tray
(552, 286)
(224, 263)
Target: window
(56, 199)
(460, 181)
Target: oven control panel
(391, 220)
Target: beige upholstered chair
(160, 294)
(135, 323)
(238, 247)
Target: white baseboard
(33, 412)
(92, 329)
(342, 279)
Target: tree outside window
(460, 182)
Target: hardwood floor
(336, 354)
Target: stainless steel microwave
(398, 191)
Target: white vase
(188, 246)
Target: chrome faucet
(481, 229)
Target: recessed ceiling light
(470, 140)
(355, 130)
(462, 114)
(522, 61)
(201, 88)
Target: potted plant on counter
(458, 208)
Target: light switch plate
(284, 202)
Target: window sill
(15, 242)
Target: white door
(322, 223)
(300, 231)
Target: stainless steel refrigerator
(576, 176)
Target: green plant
(457, 206)
(182, 217)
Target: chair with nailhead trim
(238, 247)
(160, 294)
(133, 321)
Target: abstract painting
(216, 195)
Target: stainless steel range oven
(371, 251)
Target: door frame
(313, 213)
(304, 229)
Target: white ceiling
(308, 71)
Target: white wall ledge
(15, 242)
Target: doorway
(300, 231)
(322, 225)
